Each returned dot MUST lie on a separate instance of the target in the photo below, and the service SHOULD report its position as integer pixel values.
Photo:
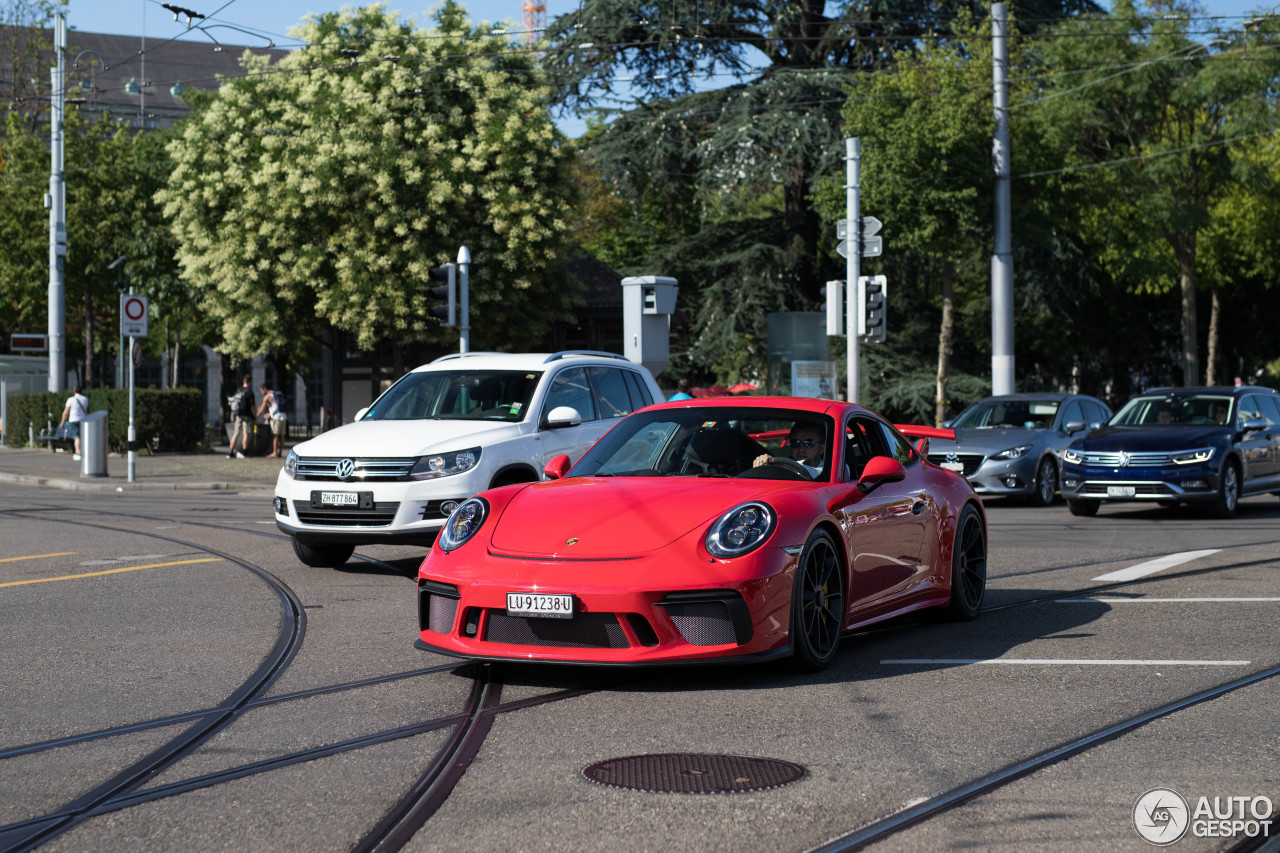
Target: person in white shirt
(806, 446)
(76, 410)
(279, 421)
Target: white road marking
(1063, 662)
(1152, 600)
(1159, 564)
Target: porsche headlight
(463, 523)
(741, 530)
(445, 464)
(291, 464)
(1075, 457)
(1013, 452)
(1192, 457)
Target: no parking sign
(133, 316)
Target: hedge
(171, 420)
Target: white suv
(447, 430)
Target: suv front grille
(381, 515)
(366, 469)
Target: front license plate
(540, 604)
(339, 499)
(1121, 491)
(958, 467)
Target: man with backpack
(242, 418)
(273, 408)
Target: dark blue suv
(1211, 446)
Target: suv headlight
(1191, 457)
(445, 464)
(1013, 452)
(1075, 457)
(741, 530)
(463, 523)
(291, 464)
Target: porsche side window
(858, 449)
(570, 388)
(896, 446)
(642, 452)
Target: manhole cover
(694, 773)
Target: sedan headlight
(445, 464)
(1075, 457)
(741, 530)
(1014, 452)
(1192, 457)
(291, 464)
(463, 523)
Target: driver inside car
(805, 445)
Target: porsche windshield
(477, 395)
(1174, 410)
(1023, 414)
(714, 442)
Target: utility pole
(1002, 375)
(853, 263)
(464, 321)
(56, 201)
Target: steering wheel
(791, 465)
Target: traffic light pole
(853, 262)
(464, 322)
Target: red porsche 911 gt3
(706, 530)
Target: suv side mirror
(563, 416)
(1073, 427)
(880, 470)
(1253, 425)
(360, 414)
(557, 467)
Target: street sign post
(133, 315)
(872, 246)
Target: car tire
(817, 604)
(968, 566)
(1228, 497)
(1046, 484)
(322, 555)
(1083, 507)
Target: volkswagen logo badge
(345, 469)
(1124, 460)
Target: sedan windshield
(1023, 414)
(714, 442)
(479, 395)
(1174, 410)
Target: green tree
(1163, 112)
(320, 189)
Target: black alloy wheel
(1084, 506)
(1046, 485)
(968, 566)
(817, 604)
(1228, 497)
(322, 555)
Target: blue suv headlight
(1192, 457)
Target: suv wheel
(322, 555)
(1224, 505)
(1046, 485)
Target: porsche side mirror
(562, 416)
(557, 467)
(1073, 427)
(880, 470)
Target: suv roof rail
(597, 353)
(453, 355)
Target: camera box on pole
(648, 301)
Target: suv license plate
(540, 604)
(1121, 491)
(339, 499)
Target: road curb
(106, 485)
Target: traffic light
(446, 309)
(873, 320)
(834, 291)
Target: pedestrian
(271, 408)
(242, 418)
(682, 390)
(76, 410)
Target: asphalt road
(130, 620)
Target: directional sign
(133, 315)
(872, 246)
(870, 226)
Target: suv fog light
(1070, 484)
(1194, 484)
(279, 504)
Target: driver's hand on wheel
(762, 459)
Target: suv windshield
(1024, 414)
(478, 395)
(1174, 410)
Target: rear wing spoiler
(922, 434)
